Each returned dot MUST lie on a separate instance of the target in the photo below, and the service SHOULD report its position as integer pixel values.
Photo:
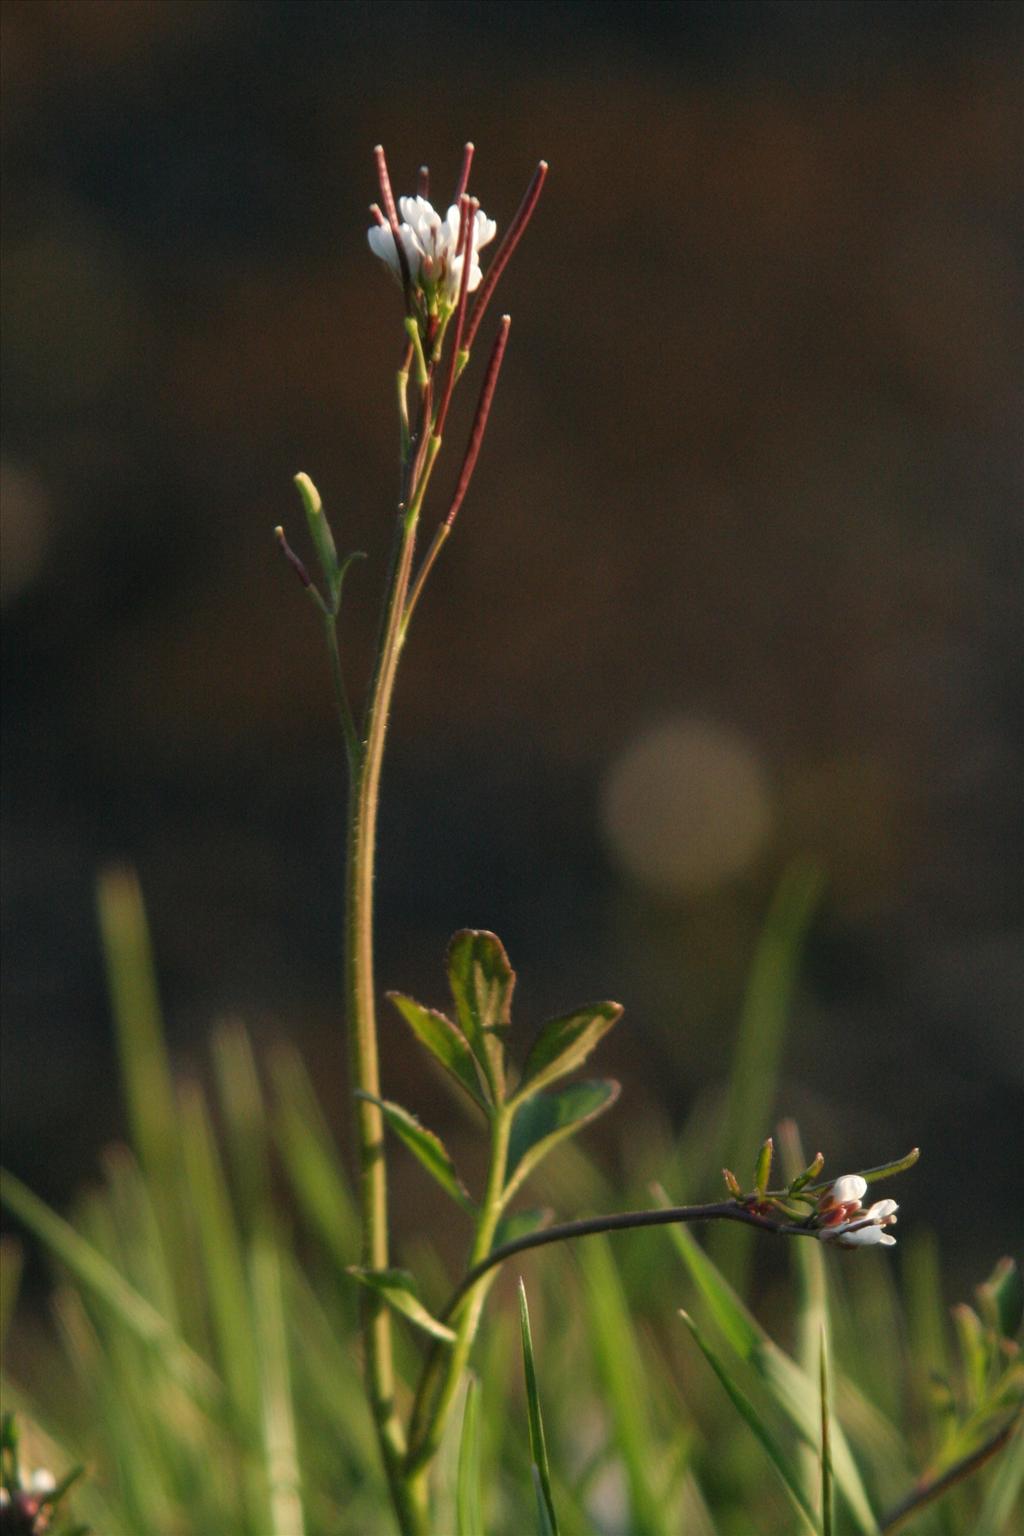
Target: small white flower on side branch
(842, 1219)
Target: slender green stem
(426, 566)
(359, 969)
(445, 1365)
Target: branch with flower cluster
(835, 1215)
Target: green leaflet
(548, 1118)
(398, 1288)
(482, 981)
(426, 1147)
(564, 1044)
(444, 1042)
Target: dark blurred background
(736, 581)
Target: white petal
(881, 1210)
(849, 1188)
(419, 214)
(42, 1481)
(484, 229)
(863, 1237)
(382, 244)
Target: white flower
(430, 244)
(863, 1229)
(850, 1189)
(42, 1481)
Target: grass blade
(750, 1415)
(279, 1440)
(767, 1008)
(795, 1392)
(311, 1159)
(1002, 1500)
(146, 1074)
(220, 1251)
(468, 1509)
(626, 1384)
(98, 1275)
(826, 1442)
(538, 1447)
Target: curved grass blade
(793, 1389)
(750, 1415)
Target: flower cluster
(28, 1509)
(841, 1218)
(434, 247)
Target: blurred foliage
(203, 1363)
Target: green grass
(202, 1353)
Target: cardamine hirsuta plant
(437, 264)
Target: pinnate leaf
(564, 1044)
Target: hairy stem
(359, 976)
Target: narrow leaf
(1004, 1491)
(542, 1122)
(468, 1510)
(482, 981)
(426, 1147)
(446, 1043)
(1001, 1298)
(145, 1067)
(280, 1447)
(974, 1351)
(794, 1391)
(564, 1044)
(545, 1525)
(220, 1253)
(745, 1408)
(538, 1447)
(311, 1158)
(826, 1440)
(98, 1275)
(398, 1289)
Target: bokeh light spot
(686, 806)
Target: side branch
(727, 1210)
